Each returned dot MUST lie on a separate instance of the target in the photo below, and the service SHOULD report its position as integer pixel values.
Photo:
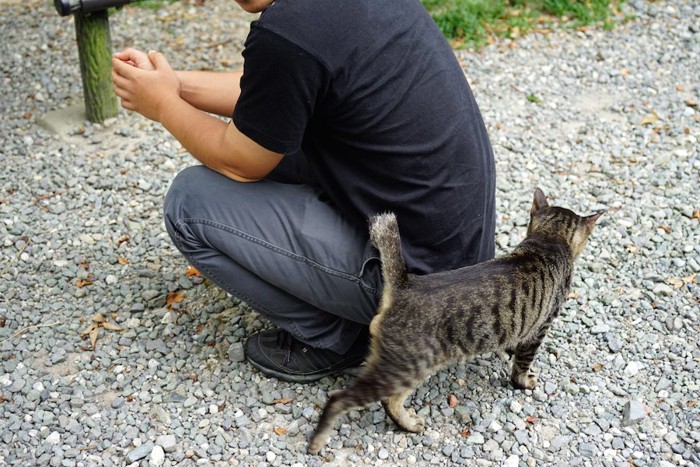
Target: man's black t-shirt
(372, 94)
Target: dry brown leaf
(93, 336)
(123, 239)
(284, 400)
(573, 295)
(93, 331)
(122, 261)
(174, 297)
(111, 326)
(691, 103)
(452, 401)
(696, 214)
(677, 283)
(466, 432)
(279, 431)
(532, 420)
(692, 403)
(666, 228)
(83, 282)
(597, 367)
(192, 271)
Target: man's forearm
(215, 143)
(210, 91)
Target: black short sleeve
(280, 86)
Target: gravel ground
(597, 119)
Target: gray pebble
(139, 452)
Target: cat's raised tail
(384, 233)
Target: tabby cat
(425, 322)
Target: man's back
(373, 95)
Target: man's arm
(211, 91)
(156, 94)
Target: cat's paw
(317, 443)
(414, 424)
(525, 380)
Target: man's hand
(135, 58)
(144, 82)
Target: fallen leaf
(284, 400)
(677, 283)
(111, 326)
(532, 420)
(122, 261)
(573, 295)
(466, 432)
(93, 335)
(696, 214)
(692, 403)
(597, 367)
(174, 297)
(123, 239)
(279, 431)
(191, 271)
(85, 282)
(129, 398)
(666, 228)
(691, 103)
(93, 331)
(452, 401)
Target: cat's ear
(592, 219)
(539, 201)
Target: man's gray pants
(280, 248)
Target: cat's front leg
(521, 375)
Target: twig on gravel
(34, 326)
(12, 261)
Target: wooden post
(95, 51)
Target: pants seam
(282, 251)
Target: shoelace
(286, 341)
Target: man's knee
(182, 192)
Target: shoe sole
(292, 378)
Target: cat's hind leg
(397, 412)
(367, 388)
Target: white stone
(631, 369)
(495, 427)
(53, 438)
(512, 461)
(157, 456)
(515, 407)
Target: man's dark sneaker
(277, 353)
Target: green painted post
(95, 51)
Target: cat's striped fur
(425, 322)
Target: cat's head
(560, 223)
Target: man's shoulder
(330, 27)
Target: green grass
(475, 23)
